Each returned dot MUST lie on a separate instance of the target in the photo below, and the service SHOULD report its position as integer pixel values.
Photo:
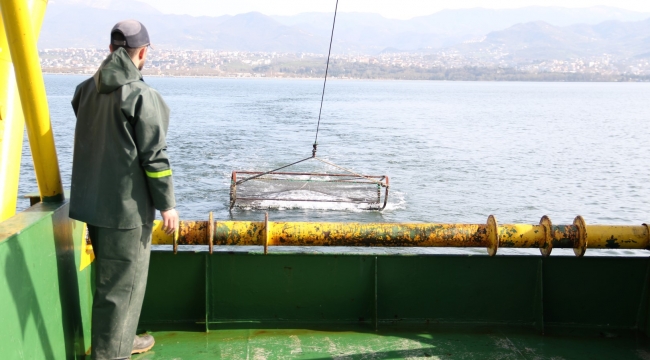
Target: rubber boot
(142, 343)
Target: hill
(540, 40)
(86, 23)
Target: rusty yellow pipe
(12, 121)
(24, 54)
(408, 235)
(521, 235)
(615, 237)
(327, 234)
(377, 234)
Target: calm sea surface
(454, 151)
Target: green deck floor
(362, 343)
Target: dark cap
(135, 34)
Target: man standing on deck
(120, 175)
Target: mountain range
(540, 40)
(528, 31)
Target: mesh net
(293, 189)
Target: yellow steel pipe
(377, 234)
(521, 235)
(544, 236)
(24, 53)
(615, 237)
(12, 121)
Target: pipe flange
(211, 231)
(580, 246)
(546, 246)
(492, 233)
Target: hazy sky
(400, 9)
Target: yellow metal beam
(12, 121)
(24, 53)
(544, 236)
(12, 126)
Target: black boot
(142, 343)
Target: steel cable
(327, 66)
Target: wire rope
(320, 111)
(322, 97)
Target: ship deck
(325, 303)
(361, 342)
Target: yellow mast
(12, 126)
(12, 121)
(21, 28)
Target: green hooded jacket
(120, 169)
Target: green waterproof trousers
(121, 268)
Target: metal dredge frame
(379, 180)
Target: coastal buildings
(488, 64)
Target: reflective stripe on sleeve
(159, 174)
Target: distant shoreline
(637, 80)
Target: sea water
(455, 152)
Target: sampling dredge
(257, 189)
